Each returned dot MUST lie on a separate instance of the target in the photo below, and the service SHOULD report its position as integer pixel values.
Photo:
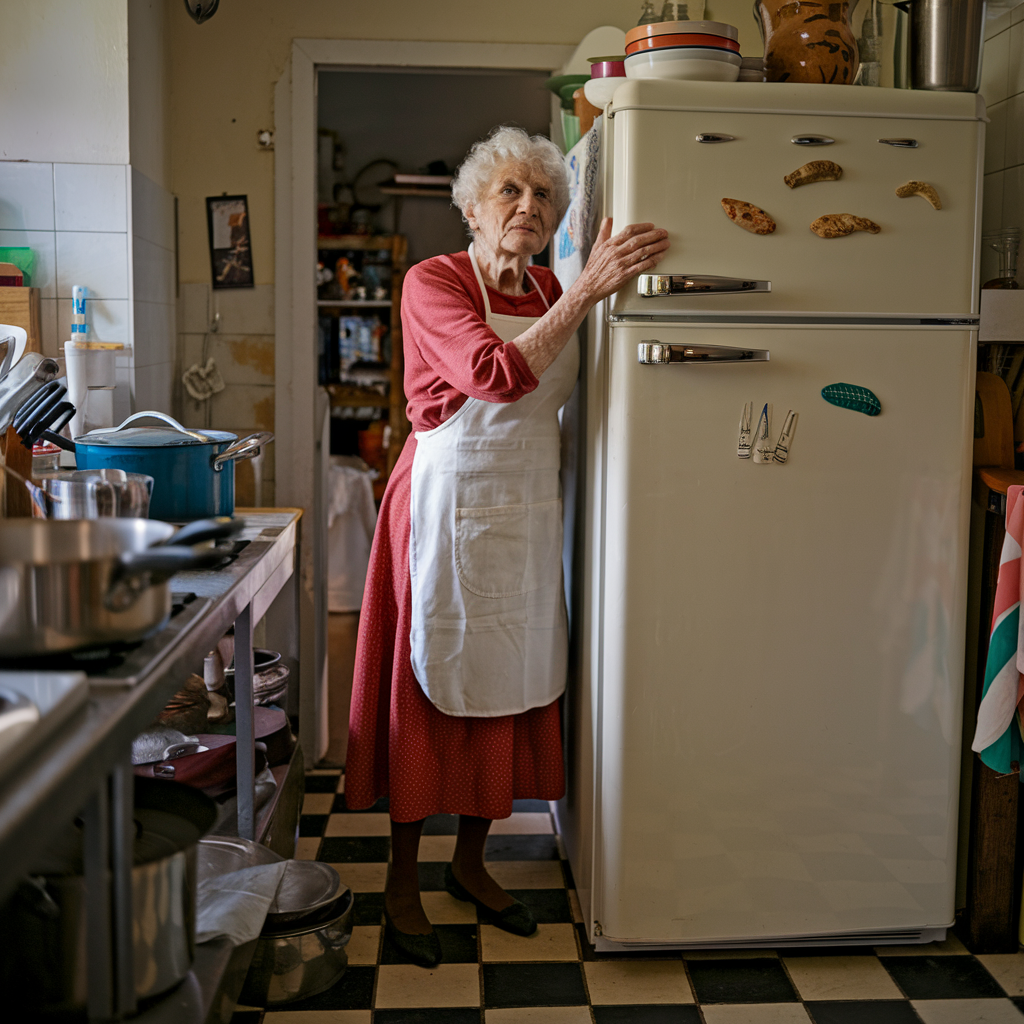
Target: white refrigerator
(764, 721)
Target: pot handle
(206, 529)
(169, 420)
(136, 571)
(248, 448)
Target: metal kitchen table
(85, 766)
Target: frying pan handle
(206, 529)
(138, 570)
(248, 448)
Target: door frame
(300, 408)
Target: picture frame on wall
(227, 222)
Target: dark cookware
(44, 936)
(193, 470)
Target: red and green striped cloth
(997, 738)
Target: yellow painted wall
(223, 74)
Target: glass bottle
(1007, 244)
(648, 15)
(672, 11)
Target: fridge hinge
(598, 930)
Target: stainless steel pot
(94, 494)
(68, 584)
(44, 934)
(946, 39)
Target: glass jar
(1007, 244)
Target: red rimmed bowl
(673, 28)
(682, 39)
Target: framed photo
(227, 221)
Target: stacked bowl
(698, 51)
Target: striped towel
(998, 735)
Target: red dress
(400, 745)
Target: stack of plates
(752, 69)
(705, 51)
(606, 75)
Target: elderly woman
(462, 645)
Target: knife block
(16, 501)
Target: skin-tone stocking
(468, 863)
(402, 895)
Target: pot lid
(306, 888)
(171, 434)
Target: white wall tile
(993, 26)
(995, 68)
(53, 344)
(98, 260)
(42, 244)
(1015, 83)
(992, 202)
(26, 196)
(90, 197)
(152, 211)
(995, 137)
(153, 387)
(153, 271)
(193, 307)
(154, 333)
(1013, 197)
(1014, 153)
(108, 320)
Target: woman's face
(516, 212)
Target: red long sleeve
(450, 352)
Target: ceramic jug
(807, 41)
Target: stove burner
(96, 661)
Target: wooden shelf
(355, 241)
(352, 394)
(363, 303)
(415, 190)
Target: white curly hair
(506, 143)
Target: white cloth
(351, 518)
(235, 905)
(575, 235)
(488, 632)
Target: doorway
(373, 124)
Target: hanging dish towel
(998, 735)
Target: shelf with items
(416, 190)
(358, 303)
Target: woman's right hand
(613, 261)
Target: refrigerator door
(922, 263)
(781, 645)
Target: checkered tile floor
(555, 977)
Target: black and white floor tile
(555, 976)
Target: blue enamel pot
(193, 471)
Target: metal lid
(306, 888)
(172, 434)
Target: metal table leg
(245, 727)
(99, 949)
(122, 849)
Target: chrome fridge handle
(692, 284)
(655, 353)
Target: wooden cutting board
(20, 308)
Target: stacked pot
(700, 51)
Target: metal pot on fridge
(193, 470)
(946, 40)
(78, 583)
(44, 934)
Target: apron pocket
(509, 550)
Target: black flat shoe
(517, 919)
(424, 950)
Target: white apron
(488, 630)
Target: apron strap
(483, 287)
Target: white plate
(685, 70)
(599, 90)
(684, 53)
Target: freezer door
(921, 263)
(782, 645)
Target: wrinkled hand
(613, 261)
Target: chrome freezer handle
(654, 353)
(691, 284)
